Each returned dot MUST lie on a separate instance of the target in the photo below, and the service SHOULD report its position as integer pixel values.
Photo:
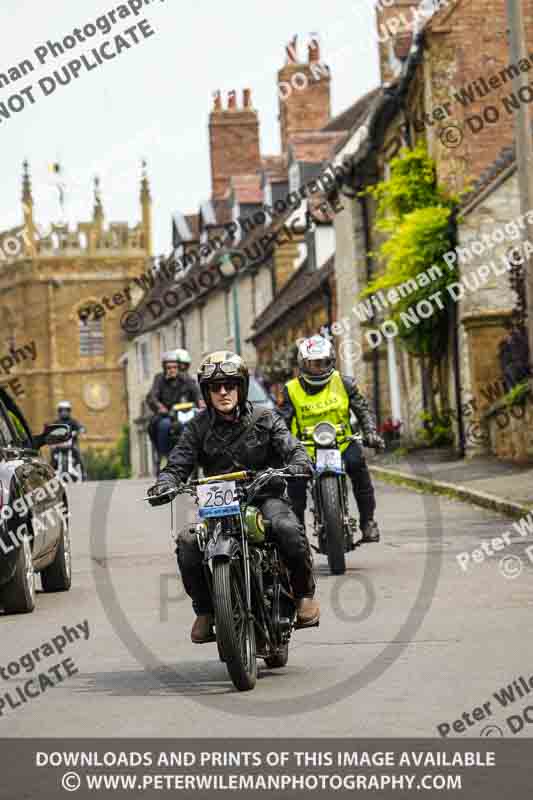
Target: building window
(294, 177)
(144, 361)
(204, 338)
(91, 337)
(228, 313)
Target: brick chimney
(234, 140)
(395, 24)
(304, 92)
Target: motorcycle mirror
(55, 433)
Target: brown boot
(308, 612)
(202, 629)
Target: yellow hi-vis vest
(332, 404)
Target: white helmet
(182, 356)
(316, 349)
(64, 405)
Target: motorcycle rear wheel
(333, 524)
(234, 630)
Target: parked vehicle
(66, 459)
(254, 609)
(34, 533)
(333, 527)
(257, 395)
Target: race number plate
(329, 459)
(217, 499)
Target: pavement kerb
(483, 499)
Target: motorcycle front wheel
(235, 631)
(333, 523)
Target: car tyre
(18, 597)
(57, 576)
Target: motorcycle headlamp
(255, 525)
(325, 434)
(227, 368)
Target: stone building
(489, 238)
(436, 82)
(42, 290)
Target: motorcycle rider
(230, 434)
(64, 416)
(173, 385)
(320, 394)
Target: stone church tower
(56, 356)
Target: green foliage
(437, 430)
(517, 394)
(123, 450)
(412, 185)
(415, 211)
(109, 465)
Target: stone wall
(484, 311)
(511, 431)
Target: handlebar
(242, 475)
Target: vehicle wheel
(333, 524)
(18, 597)
(57, 577)
(235, 631)
(280, 659)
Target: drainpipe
(369, 273)
(455, 345)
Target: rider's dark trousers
(287, 532)
(356, 468)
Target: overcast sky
(154, 99)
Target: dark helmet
(221, 365)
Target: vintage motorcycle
(66, 460)
(333, 527)
(254, 609)
(179, 414)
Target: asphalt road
(407, 640)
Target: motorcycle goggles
(226, 369)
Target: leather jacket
(181, 389)
(207, 440)
(358, 404)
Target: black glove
(301, 470)
(374, 440)
(276, 484)
(160, 488)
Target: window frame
(86, 326)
